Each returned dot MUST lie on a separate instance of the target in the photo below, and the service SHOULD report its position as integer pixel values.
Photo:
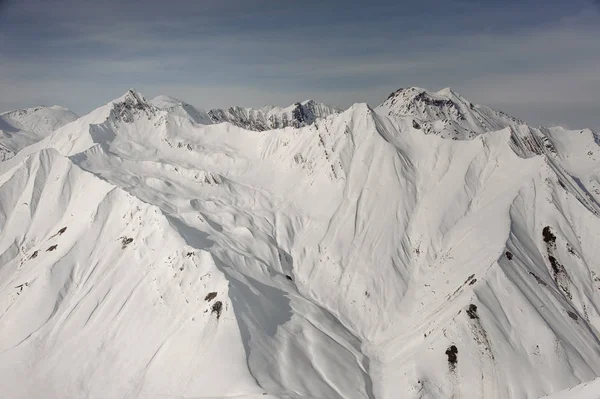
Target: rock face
(270, 117)
(131, 105)
(368, 255)
(5, 153)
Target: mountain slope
(587, 390)
(354, 257)
(84, 282)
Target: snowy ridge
(41, 120)
(271, 117)
(182, 109)
(21, 128)
(354, 257)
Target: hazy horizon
(534, 60)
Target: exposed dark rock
(217, 307)
(132, 106)
(472, 311)
(452, 353)
(210, 296)
(125, 241)
(549, 237)
(572, 315)
(539, 280)
(302, 114)
(556, 266)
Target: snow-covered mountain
(445, 113)
(143, 254)
(21, 128)
(271, 117)
(181, 108)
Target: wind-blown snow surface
(146, 255)
(586, 390)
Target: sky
(536, 60)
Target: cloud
(252, 52)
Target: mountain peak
(126, 107)
(447, 91)
(445, 113)
(131, 96)
(413, 90)
(164, 102)
(180, 108)
(412, 94)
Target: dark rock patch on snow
(210, 296)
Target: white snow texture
(427, 248)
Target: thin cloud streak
(251, 52)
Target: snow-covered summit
(181, 108)
(130, 105)
(445, 113)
